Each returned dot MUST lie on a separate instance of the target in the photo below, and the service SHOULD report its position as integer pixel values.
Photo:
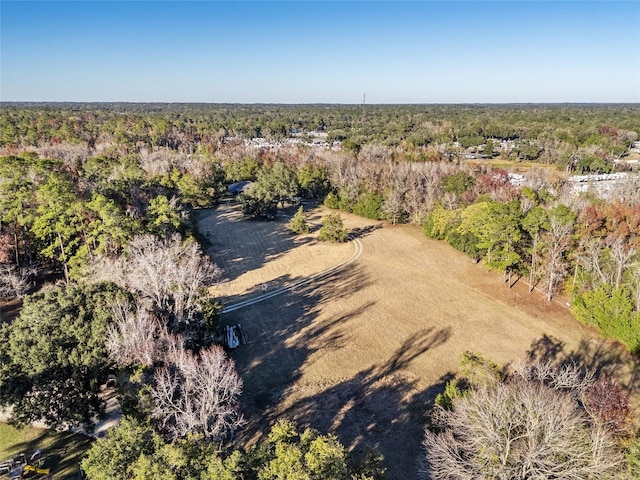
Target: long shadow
(60, 452)
(9, 310)
(266, 240)
(282, 333)
(423, 341)
(380, 407)
(603, 357)
(301, 287)
(364, 231)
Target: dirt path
(364, 351)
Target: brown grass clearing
(253, 253)
(363, 353)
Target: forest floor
(362, 353)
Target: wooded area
(101, 197)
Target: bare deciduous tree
(567, 377)
(424, 188)
(197, 393)
(170, 273)
(621, 254)
(14, 282)
(556, 241)
(393, 206)
(519, 429)
(606, 260)
(635, 275)
(592, 260)
(72, 155)
(158, 162)
(628, 190)
(345, 175)
(135, 336)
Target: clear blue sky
(320, 52)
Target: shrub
(298, 224)
(332, 229)
(633, 458)
(332, 201)
(466, 242)
(369, 205)
(612, 311)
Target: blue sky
(320, 52)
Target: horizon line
(153, 102)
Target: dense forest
(558, 134)
(101, 196)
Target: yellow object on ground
(39, 471)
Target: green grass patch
(61, 452)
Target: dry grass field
(363, 353)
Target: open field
(364, 352)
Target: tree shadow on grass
(283, 331)
(380, 407)
(224, 228)
(603, 357)
(61, 452)
(360, 232)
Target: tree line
(582, 138)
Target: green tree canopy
(313, 180)
(497, 227)
(133, 450)
(277, 184)
(305, 456)
(458, 183)
(164, 216)
(613, 311)
(369, 205)
(114, 457)
(53, 358)
(59, 221)
(333, 229)
(298, 223)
